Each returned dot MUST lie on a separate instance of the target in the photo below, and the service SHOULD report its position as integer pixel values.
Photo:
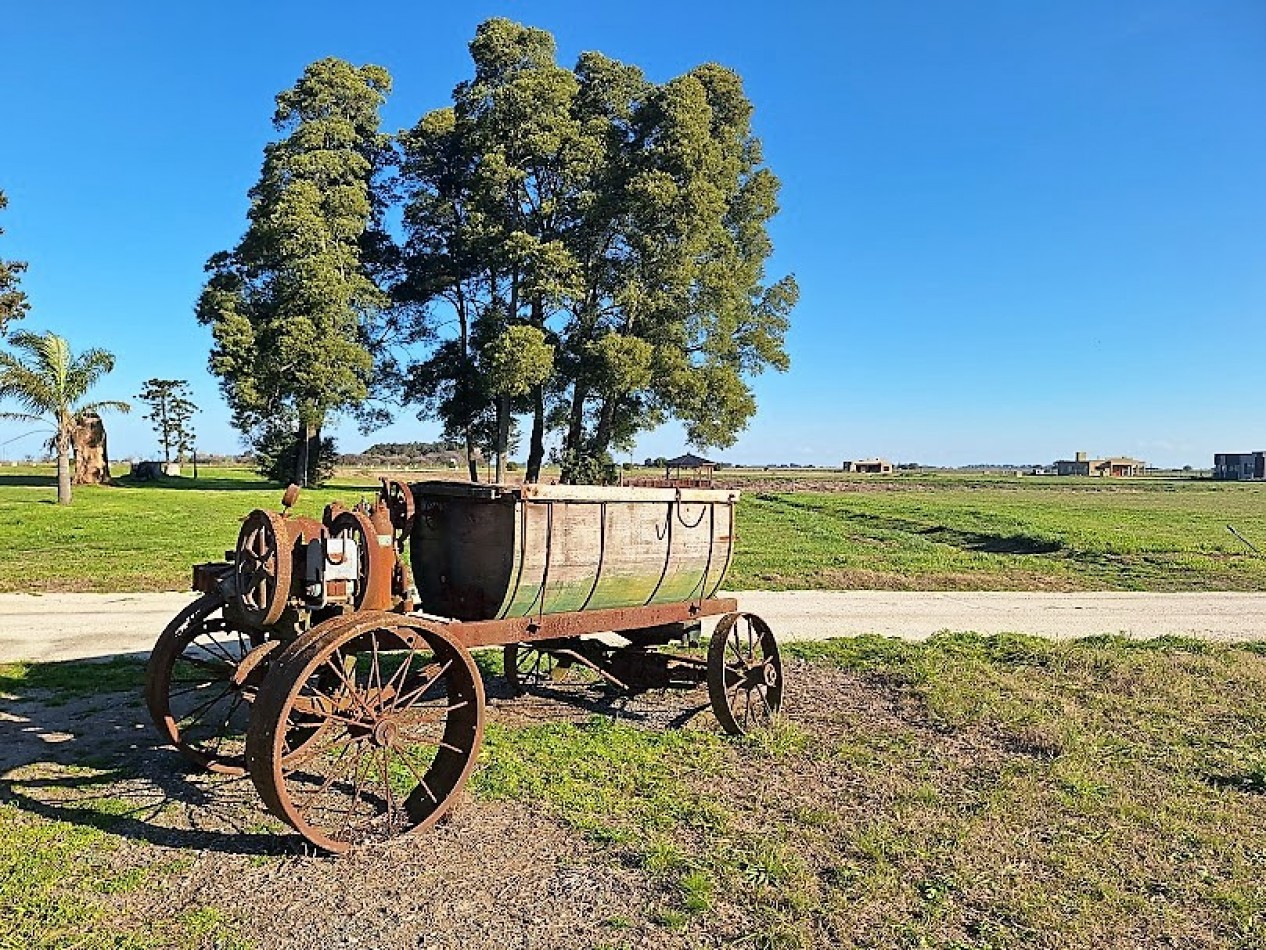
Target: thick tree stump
(92, 464)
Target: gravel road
(80, 626)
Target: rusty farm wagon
(342, 681)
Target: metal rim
(201, 680)
(744, 673)
(262, 569)
(402, 713)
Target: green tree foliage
(50, 383)
(622, 219)
(518, 362)
(293, 306)
(13, 302)
(171, 413)
(276, 454)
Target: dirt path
(80, 626)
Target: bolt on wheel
(400, 707)
(744, 673)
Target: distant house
(869, 466)
(1122, 467)
(1239, 466)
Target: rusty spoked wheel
(744, 673)
(401, 712)
(201, 680)
(262, 567)
(529, 668)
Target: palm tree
(50, 382)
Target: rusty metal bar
(487, 633)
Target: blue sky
(1020, 229)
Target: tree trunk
(576, 424)
(536, 454)
(300, 474)
(602, 434)
(470, 456)
(63, 466)
(92, 462)
(314, 453)
(503, 436)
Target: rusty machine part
(264, 572)
(401, 710)
(377, 557)
(398, 497)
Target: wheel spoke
(422, 689)
(329, 780)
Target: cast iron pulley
(263, 567)
(355, 526)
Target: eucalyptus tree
(13, 302)
(622, 219)
(51, 384)
(489, 183)
(293, 305)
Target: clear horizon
(1019, 232)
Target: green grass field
(920, 532)
(967, 793)
(1006, 534)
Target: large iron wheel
(744, 673)
(202, 677)
(401, 707)
(262, 567)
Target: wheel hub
(384, 733)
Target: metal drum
(488, 552)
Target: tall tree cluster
(583, 247)
(289, 306)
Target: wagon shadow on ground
(96, 761)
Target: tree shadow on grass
(93, 758)
(28, 481)
(201, 483)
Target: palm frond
(25, 385)
(84, 370)
(24, 417)
(112, 405)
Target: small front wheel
(744, 673)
